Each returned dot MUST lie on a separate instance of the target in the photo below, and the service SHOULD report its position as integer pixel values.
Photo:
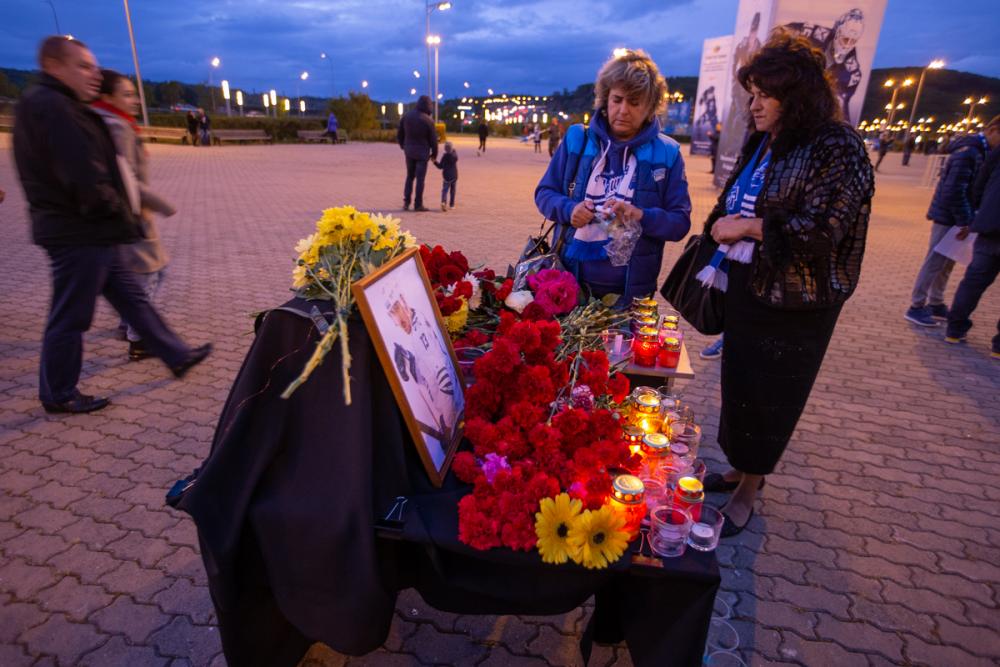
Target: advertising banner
(713, 94)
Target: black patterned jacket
(815, 204)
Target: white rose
(518, 301)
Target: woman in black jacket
(792, 221)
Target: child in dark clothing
(448, 164)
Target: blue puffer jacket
(661, 192)
(951, 204)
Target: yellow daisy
(599, 537)
(553, 525)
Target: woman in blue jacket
(617, 189)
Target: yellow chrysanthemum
(457, 320)
(598, 537)
(553, 525)
(300, 278)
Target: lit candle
(644, 322)
(645, 346)
(689, 495)
(655, 455)
(632, 435)
(670, 352)
(628, 499)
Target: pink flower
(494, 464)
(556, 294)
(544, 276)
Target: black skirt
(770, 359)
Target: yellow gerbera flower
(599, 537)
(553, 525)
(457, 320)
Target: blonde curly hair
(636, 72)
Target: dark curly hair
(793, 71)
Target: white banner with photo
(713, 94)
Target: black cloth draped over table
(288, 501)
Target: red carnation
(450, 273)
(505, 289)
(465, 467)
(618, 387)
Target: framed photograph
(412, 344)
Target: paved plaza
(877, 541)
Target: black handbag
(538, 254)
(702, 307)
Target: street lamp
(619, 53)
(302, 107)
(891, 107)
(327, 58)
(267, 103)
(934, 64)
(298, 92)
(431, 6)
(135, 60)
(239, 101)
(972, 102)
(435, 41)
(274, 101)
(364, 84)
(225, 96)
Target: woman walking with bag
(791, 224)
(616, 190)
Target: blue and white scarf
(589, 242)
(742, 199)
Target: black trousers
(980, 274)
(79, 275)
(482, 144)
(415, 169)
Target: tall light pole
(333, 89)
(934, 64)
(135, 61)
(56, 16)
(225, 96)
(239, 101)
(431, 6)
(890, 83)
(972, 102)
(274, 101)
(302, 77)
(215, 62)
(435, 41)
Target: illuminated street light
(267, 101)
(435, 41)
(489, 90)
(413, 91)
(430, 7)
(274, 101)
(972, 102)
(239, 100)
(225, 96)
(327, 58)
(465, 83)
(302, 107)
(288, 104)
(416, 74)
(215, 62)
(891, 107)
(364, 84)
(620, 52)
(399, 108)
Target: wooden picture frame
(411, 340)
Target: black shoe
(79, 404)
(730, 529)
(137, 351)
(195, 357)
(716, 483)
(121, 333)
(420, 208)
(406, 207)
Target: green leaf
(610, 300)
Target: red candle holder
(645, 347)
(669, 354)
(629, 500)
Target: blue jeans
(151, 283)
(933, 275)
(979, 276)
(80, 274)
(415, 169)
(446, 187)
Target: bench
(155, 134)
(240, 136)
(309, 136)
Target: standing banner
(753, 21)
(713, 94)
(845, 30)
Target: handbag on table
(703, 307)
(538, 254)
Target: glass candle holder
(644, 322)
(617, 344)
(645, 305)
(687, 434)
(670, 350)
(705, 533)
(628, 499)
(689, 496)
(671, 320)
(633, 435)
(467, 358)
(668, 531)
(655, 455)
(645, 347)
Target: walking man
(417, 137)
(985, 263)
(950, 207)
(484, 131)
(81, 211)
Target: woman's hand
(626, 212)
(583, 213)
(732, 228)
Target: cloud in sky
(535, 46)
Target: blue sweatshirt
(661, 192)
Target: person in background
(484, 131)
(417, 136)
(950, 207)
(908, 146)
(331, 127)
(555, 136)
(81, 212)
(792, 221)
(884, 144)
(617, 190)
(204, 128)
(985, 265)
(536, 137)
(713, 142)
(713, 350)
(118, 105)
(449, 172)
(192, 127)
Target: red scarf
(101, 104)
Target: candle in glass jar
(645, 347)
(655, 455)
(670, 352)
(632, 435)
(642, 322)
(689, 495)
(629, 500)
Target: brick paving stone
(184, 598)
(73, 598)
(117, 653)
(15, 617)
(877, 516)
(58, 637)
(501, 657)
(12, 655)
(860, 637)
(383, 658)
(433, 647)
(507, 631)
(125, 617)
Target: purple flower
(494, 464)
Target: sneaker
(939, 311)
(995, 354)
(954, 340)
(444, 207)
(921, 317)
(713, 351)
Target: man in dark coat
(950, 207)
(81, 210)
(418, 139)
(192, 125)
(484, 131)
(985, 265)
